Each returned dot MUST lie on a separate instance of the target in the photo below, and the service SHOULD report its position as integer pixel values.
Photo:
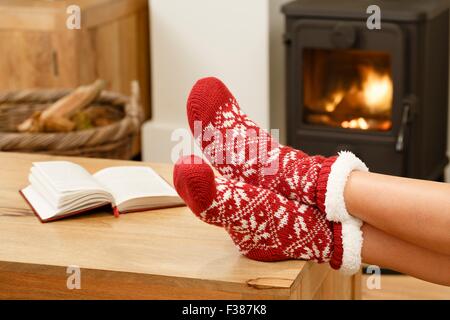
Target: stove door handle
(406, 117)
(399, 146)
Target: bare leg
(384, 250)
(413, 210)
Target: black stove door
(345, 91)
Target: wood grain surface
(156, 254)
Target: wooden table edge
(50, 282)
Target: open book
(60, 188)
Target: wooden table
(160, 254)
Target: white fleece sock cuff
(345, 163)
(352, 241)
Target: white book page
(46, 210)
(65, 176)
(41, 206)
(41, 185)
(126, 183)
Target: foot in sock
(264, 225)
(312, 180)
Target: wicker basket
(111, 141)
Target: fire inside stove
(348, 89)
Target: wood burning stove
(381, 94)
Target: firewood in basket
(82, 120)
(64, 108)
(58, 124)
(31, 124)
(103, 115)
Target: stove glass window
(349, 89)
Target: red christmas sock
(264, 225)
(312, 180)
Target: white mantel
(237, 41)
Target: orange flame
(375, 95)
(377, 90)
(359, 123)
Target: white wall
(237, 41)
